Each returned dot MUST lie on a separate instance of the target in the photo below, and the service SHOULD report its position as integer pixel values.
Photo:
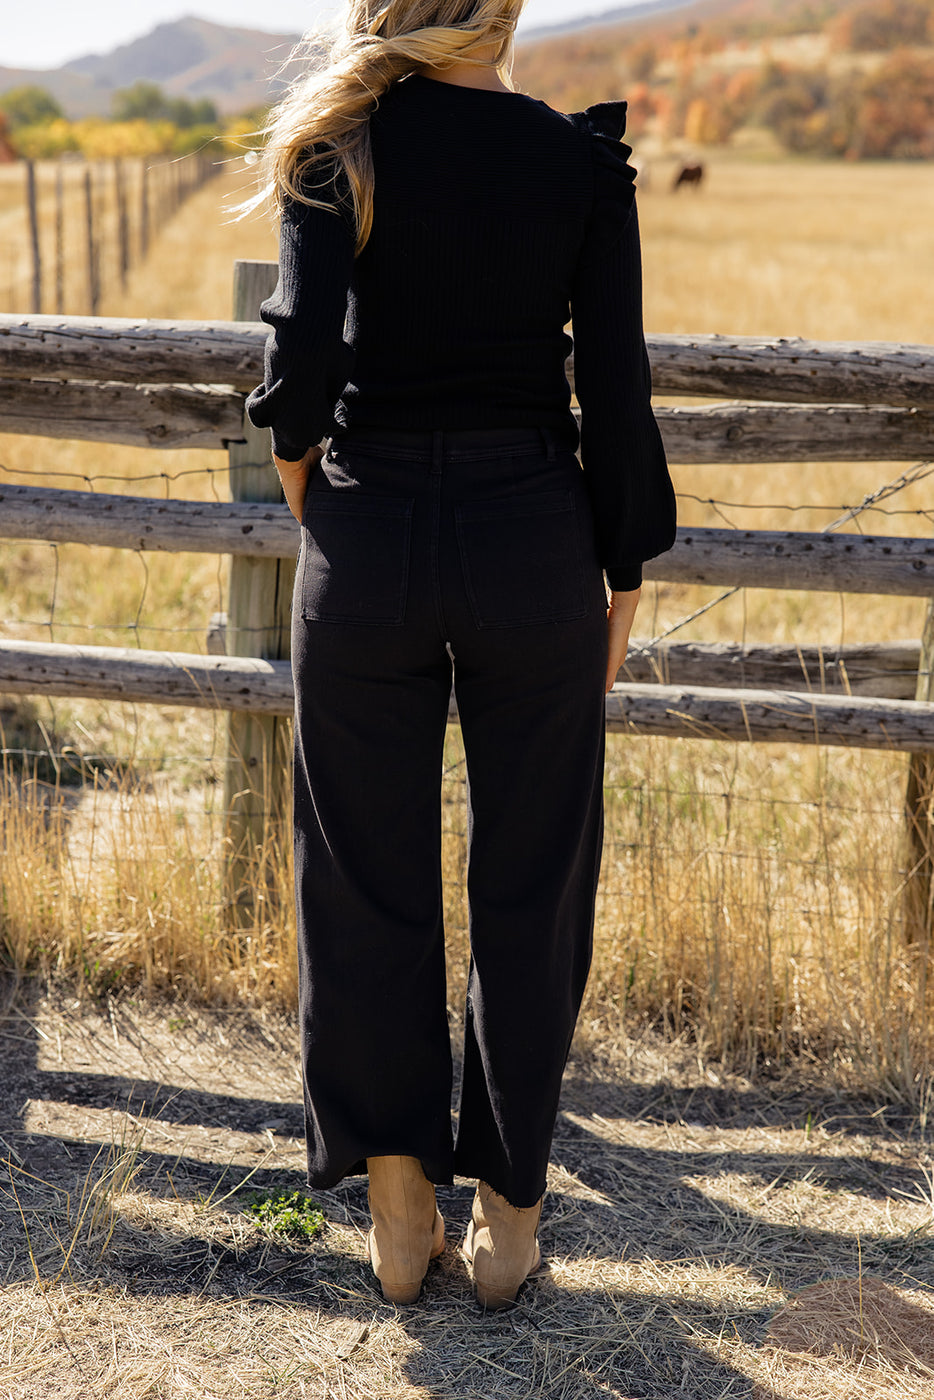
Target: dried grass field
(741, 1195)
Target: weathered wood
(771, 716)
(796, 371)
(264, 689)
(123, 221)
(886, 670)
(144, 210)
(33, 212)
(824, 562)
(746, 432)
(257, 776)
(149, 352)
(175, 415)
(222, 352)
(136, 415)
(835, 562)
(94, 280)
(59, 239)
(140, 522)
(918, 900)
(146, 677)
(221, 682)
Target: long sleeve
(307, 361)
(621, 447)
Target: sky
(51, 32)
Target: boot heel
(501, 1247)
(408, 1230)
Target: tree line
(143, 121)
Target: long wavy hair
(324, 120)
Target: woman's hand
(294, 477)
(619, 616)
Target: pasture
(747, 1107)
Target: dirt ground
(705, 1237)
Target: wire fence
(210, 482)
(71, 229)
(761, 877)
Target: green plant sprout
(287, 1213)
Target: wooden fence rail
(212, 415)
(131, 415)
(785, 370)
(264, 687)
(829, 562)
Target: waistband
(469, 444)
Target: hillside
(852, 78)
(599, 16)
(189, 58)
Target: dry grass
(701, 1238)
(823, 250)
(856, 1325)
(764, 928)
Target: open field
(747, 1113)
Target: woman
(436, 227)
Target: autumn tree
(879, 25)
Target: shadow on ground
(679, 1216)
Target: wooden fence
(173, 384)
(86, 223)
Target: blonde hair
(324, 120)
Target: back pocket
(521, 560)
(356, 558)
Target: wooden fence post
(257, 780)
(123, 222)
(94, 287)
(34, 236)
(919, 812)
(59, 237)
(144, 209)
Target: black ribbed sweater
(495, 220)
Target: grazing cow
(689, 175)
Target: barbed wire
(718, 503)
(918, 472)
(132, 478)
(846, 509)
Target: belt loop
(437, 452)
(548, 438)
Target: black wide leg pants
(417, 549)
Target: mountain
(599, 19)
(236, 68)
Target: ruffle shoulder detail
(606, 120)
(614, 178)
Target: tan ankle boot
(407, 1227)
(501, 1246)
